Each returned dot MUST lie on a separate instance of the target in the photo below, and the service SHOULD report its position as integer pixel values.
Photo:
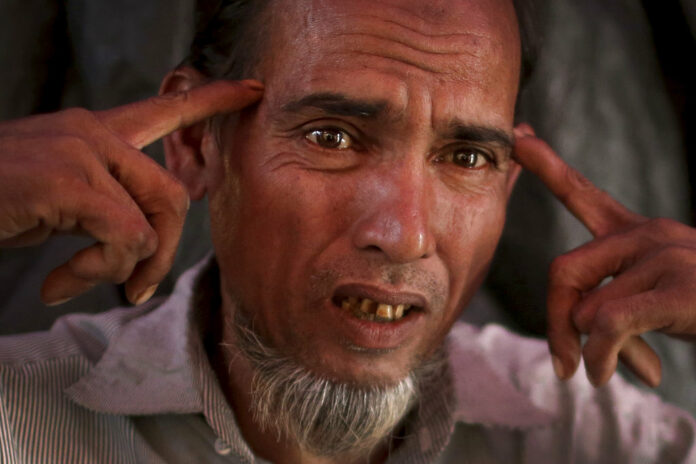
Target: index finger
(143, 122)
(595, 208)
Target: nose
(397, 218)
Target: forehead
(396, 47)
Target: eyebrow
(482, 134)
(338, 104)
(342, 105)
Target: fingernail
(527, 129)
(58, 302)
(145, 295)
(593, 381)
(558, 367)
(253, 84)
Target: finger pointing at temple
(80, 172)
(596, 209)
(141, 123)
(576, 277)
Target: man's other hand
(82, 172)
(651, 263)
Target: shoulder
(618, 421)
(77, 336)
(36, 368)
(511, 356)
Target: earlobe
(184, 148)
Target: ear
(190, 153)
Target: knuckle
(172, 98)
(674, 254)
(78, 118)
(576, 185)
(577, 180)
(149, 242)
(559, 270)
(120, 268)
(582, 317)
(65, 183)
(611, 320)
(71, 146)
(657, 231)
(660, 226)
(171, 194)
(122, 273)
(139, 239)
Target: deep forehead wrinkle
(339, 105)
(429, 40)
(425, 30)
(462, 55)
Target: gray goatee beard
(324, 417)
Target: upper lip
(379, 295)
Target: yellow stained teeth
(399, 311)
(365, 308)
(385, 311)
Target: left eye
(330, 138)
(470, 159)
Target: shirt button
(222, 448)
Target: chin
(355, 365)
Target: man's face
(376, 167)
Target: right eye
(334, 139)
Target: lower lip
(371, 335)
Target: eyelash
(453, 151)
(344, 135)
(353, 145)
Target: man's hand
(83, 172)
(652, 263)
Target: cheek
(286, 220)
(474, 218)
(474, 224)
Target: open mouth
(367, 309)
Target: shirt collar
(157, 364)
(152, 364)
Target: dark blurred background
(612, 92)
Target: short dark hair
(229, 37)
(528, 18)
